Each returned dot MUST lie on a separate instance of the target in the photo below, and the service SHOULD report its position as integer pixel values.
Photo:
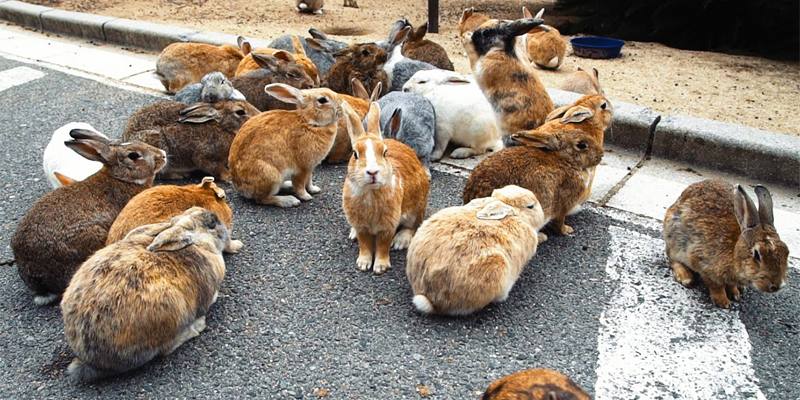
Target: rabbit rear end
(281, 67)
(715, 231)
(416, 47)
(545, 46)
(535, 384)
(463, 258)
(310, 6)
(417, 121)
(67, 225)
(181, 64)
(145, 295)
(58, 158)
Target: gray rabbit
(399, 67)
(212, 88)
(319, 48)
(417, 121)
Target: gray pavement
(294, 314)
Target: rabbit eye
(293, 75)
(582, 146)
(756, 256)
(355, 154)
(531, 206)
(604, 105)
(322, 100)
(385, 151)
(423, 82)
(134, 155)
(365, 52)
(241, 112)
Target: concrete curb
(739, 149)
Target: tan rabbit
(546, 47)
(470, 21)
(249, 64)
(285, 144)
(535, 384)
(463, 258)
(160, 203)
(715, 231)
(517, 96)
(341, 150)
(145, 295)
(554, 166)
(180, 64)
(583, 82)
(64, 227)
(386, 189)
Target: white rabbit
(463, 115)
(60, 159)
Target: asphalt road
(295, 316)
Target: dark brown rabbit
(196, 137)
(64, 227)
(554, 166)
(280, 67)
(715, 230)
(535, 384)
(361, 61)
(418, 48)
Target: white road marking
(18, 76)
(660, 340)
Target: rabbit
(417, 121)
(280, 67)
(64, 165)
(212, 88)
(470, 21)
(248, 64)
(583, 82)
(341, 150)
(282, 144)
(161, 203)
(509, 83)
(362, 61)
(181, 64)
(386, 189)
(399, 68)
(309, 6)
(463, 115)
(196, 137)
(64, 227)
(715, 231)
(145, 295)
(319, 48)
(535, 384)
(554, 166)
(545, 45)
(465, 257)
(416, 47)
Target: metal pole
(433, 16)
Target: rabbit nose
(372, 172)
(773, 287)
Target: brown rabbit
(470, 21)
(715, 230)
(310, 6)
(583, 82)
(161, 203)
(64, 227)
(418, 48)
(362, 61)
(249, 64)
(281, 144)
(341, 150)
(196, 137)
(516, 94)
(535, 384)
(554, 166)
(280, 67)
(180, 64)
(144, 296)
(386, 189)
(546, 47)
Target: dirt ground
(739, 89)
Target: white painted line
(660, 340)
(18, 76)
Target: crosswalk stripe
(660, 340)
(18, 76)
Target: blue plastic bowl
(596, 47)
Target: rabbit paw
(542, 237)
(402, 239)
(234, 246)
(736, 295)
(313, 189)
(719, 297)
(287, 185)
(462, 152)
(363, 263)
(567, 230)
(353, 235)
(381, 266)
(682, 274)
(304, 196)
(284, 201)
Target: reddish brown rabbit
(714, 230)
(64, 227)
(418, 48)
(535, 384)
(470, 21)
(361, 61)
(546, 47)
(180, 64)
(341, 150)
(280, 67)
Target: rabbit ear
(266, 61)
(198, 114)
(496, 210)
(520, 26)
(358, 89)
(400, 36)
(456, 80)
(547, 141)
(208, 183)
(151, 230)
(466, 14)
(374, 119)
(557, 113)
(395, 121)
(764, 206)
(89, 149)
(526, 13)
(244, 45)
(577, 114)
(353, 122)
(285, 93)
(317, 34)
(745, 210)
(171, 239)
(376, 92)
(316, 45)
(283, 55)
(88, 135)
(596, 81)
(63, 179)
(539, 14)
(298, 46)
(419, 33)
